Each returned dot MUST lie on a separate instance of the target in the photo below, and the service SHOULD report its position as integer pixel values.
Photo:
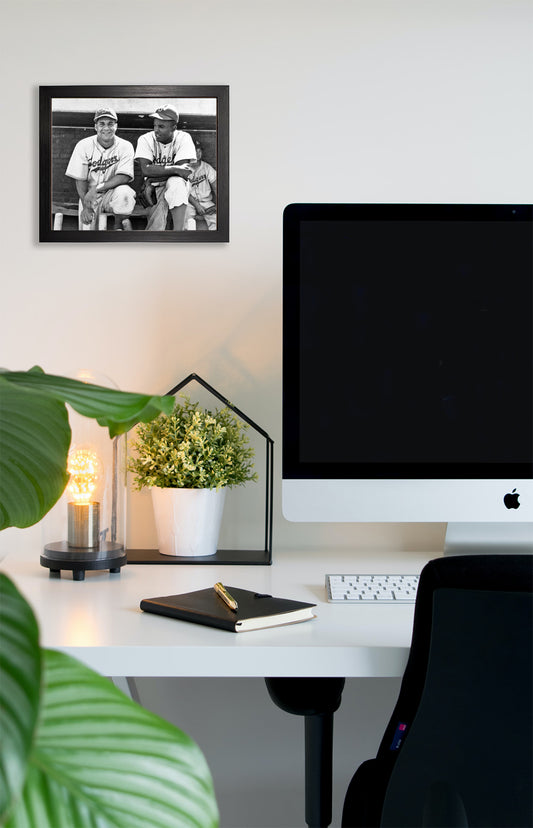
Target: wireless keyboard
(371, 589)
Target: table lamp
(85, 529)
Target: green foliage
(116, 410)
(192, 448)
(35, 435)
(20, 678)
(76, 753)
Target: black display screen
(408, 341)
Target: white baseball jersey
(179, 149)
(201, 177)
(92, 162)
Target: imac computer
(408, 368)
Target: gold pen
(221, 590)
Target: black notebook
(255, 610)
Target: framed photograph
(134, 163)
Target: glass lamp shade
(86, 527)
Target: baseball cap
(107, 112)
(166, 113)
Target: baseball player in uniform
(164, 156)
(203, 194)
(102, 166)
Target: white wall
(370, 100)
(349, 100)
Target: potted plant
(188, 459)
(75, 750)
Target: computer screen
(408, 362)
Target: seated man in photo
(165, 156)
(102, 167)
(203, 195)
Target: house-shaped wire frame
(223, 556)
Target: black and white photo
(134, 163)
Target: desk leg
(128, 687)
(316, 699)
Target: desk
(98, 620)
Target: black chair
(457, 751)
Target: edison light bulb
(85, 471)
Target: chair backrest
(459, 743)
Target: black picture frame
(66, 114)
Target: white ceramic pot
(188, 520)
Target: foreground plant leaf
(117, 410)
(35, 435)
(95, 758)
(20, 675)
(34, 442)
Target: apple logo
(511, 500)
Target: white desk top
(98, 620)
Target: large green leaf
(117, 410)
(35, 435)
(20, 675)
(34, 442)
(97, 759)
(101, 760)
